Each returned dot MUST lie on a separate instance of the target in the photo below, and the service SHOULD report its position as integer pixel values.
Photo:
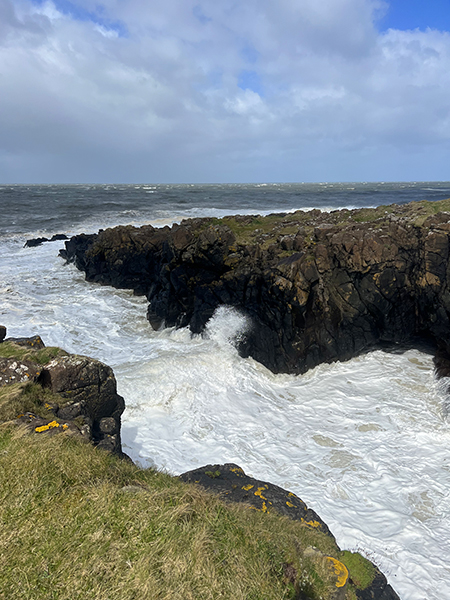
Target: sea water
(365, 443)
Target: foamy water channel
(364, 443)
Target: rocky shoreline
(81, 391)
(317, 287)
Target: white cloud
(206, 90)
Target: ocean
(365, 443)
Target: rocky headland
(316, 286)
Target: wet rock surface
(317, 287)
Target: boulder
(89, 390)
(35, 342)
(2, 333)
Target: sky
(204, 91)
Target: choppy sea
(365, 443)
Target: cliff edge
(317, 287)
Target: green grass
(41, 357)
(70, 529)
(25, 397)
(266, 230)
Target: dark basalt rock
(35, 242)
(234, 485)
(35, 342)
(329, 290)
(89, 403)
(2, 333)
(90, 391)
(38, 241)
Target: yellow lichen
(260, 490)
(50, 425)
(237, 471)
(340, 570)
(247, 487)
(290, 504)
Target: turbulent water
(365, 443)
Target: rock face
(234, 485)
(86, 389)
(317, 286)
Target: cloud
(200, 90)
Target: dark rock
(35, 242)
(89, 388)
(38, 241)
(234, 485)
(34, 342)
(379, 589)
(2, 333)
(13, 370)
(329, 289)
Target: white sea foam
(365, 443)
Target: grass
(78, 522)
(71, 528)
(266, 230)
(40, 357)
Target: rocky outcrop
(13, 371)
(84, 392)
(32, 243)
(234, 485)
(317, 287)
(88, 391)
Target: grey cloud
(163, 102)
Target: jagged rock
(89, 389)
(13, 370)
(38, 241)
(35, 242)
(233, 485)
(2, 333)
(318, 287)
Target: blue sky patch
(81, 14)
(413, 14)
(200, 15)
(250, 80)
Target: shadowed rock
(89, 389)
(318, 287)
